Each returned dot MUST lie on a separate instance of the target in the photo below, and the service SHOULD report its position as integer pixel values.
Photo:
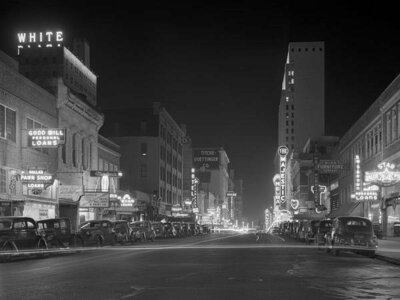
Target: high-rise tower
(302, 104)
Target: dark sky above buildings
(218, 67)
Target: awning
(347, 209)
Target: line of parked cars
(345, 233)
(18, 233)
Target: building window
(394, 123)
(143, 170)
(143, 149)
(90, 155)
(64, 153)
(31, 124)
(8, 123)
(74, 150)
(3, 181)
(84, 154)
(388, 128)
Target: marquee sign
(385, 176)
(46, 137)
(95, 200)
(40, 39)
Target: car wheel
(99, 241)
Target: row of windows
(8, 123)
(306, 49)
(169, 196)
(166, 135)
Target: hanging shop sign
(282, 151)
(36, 178)
(193, 187)
(95, 200)
(330, 166)
(316, 189)
(46, 137)
(294, 203)
(126, 200)
(385, 176)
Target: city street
(215, 266)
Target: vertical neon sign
(283, 151)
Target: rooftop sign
(44, 39)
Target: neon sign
(46, 137)
(385, 175)
(294, 203)
(283, 151)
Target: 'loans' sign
(46, 137)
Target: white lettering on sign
(37, 38)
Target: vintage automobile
(324, 228)
(169, 230)
(57, 232)
(122, 231)
(142, 231)
(18, 233)
(179, 229)
(310, 231)
(158, 229)
(352, 233)
(98, 232)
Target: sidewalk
(32, 254)
(389, 249)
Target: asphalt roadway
(216, 266)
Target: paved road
(212, 267)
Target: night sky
(218, 68)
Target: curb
(391, 260)
(18, 256)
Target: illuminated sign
(330, 166)
(283, 151)
(95, 200)
(231, 194)
(106, 173)
(193, 187)
(357, 178)
(206, 158)
(384, 176)
(36, 176)
(40, 39)
(294, 203)
(316, 190)
(126, 200)
(46, 137)
(365, 195)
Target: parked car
(142, 231)
(122, 231)
(57, 232)
(352, 233)
(169, 230)
(311, 228)
(179, 229)
(158, 229)
(324, 228)
(396, 228)
(98, 232)
(20, 233)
